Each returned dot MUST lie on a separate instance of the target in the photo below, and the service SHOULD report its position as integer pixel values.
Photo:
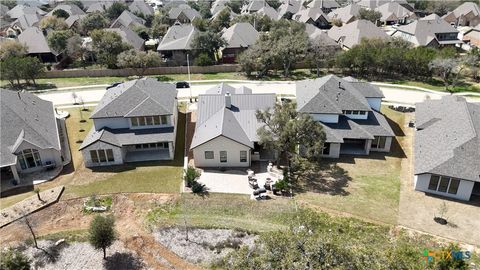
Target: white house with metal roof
(447, 147)
(134, 121)
(349, 111)
(29, 135)
(226, 129)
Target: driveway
(230, 181)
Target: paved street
(94, 94)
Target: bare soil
(129, 211)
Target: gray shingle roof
(314, 33)
(74, 18)
(331, 94)
(254, 6)
(289, 6)
(178, 37)
(20, 10)
(139, 6)
(128, 36)
(466, 8)
(127, 19)
(27, 20)
(372, 4)
(99, 6)
(240, 35)
(447, 140)
(25, 116)
(329, 4)
(71, 9)
(394, 11)
(3, 10)
(346, 14)
(238, 122)
(35, 40)
(310, 14)
(140, 97)
(352, 33)
(125, 136)
(269, 12)
(186, 10)
(424, 30)
(223, 88)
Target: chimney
(228, 100)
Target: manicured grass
(437, 85)
(223, 211)
(363, 186)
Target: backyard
(366, 187)
(79, 181)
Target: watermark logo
(431, 255)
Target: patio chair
(252, 182)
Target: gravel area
(204, 246)
(81, 256)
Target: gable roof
(254, 6)
(74, 18)
(332, 95)
(189, 12)
(352, 33)
(71, 9)
(35, 40)
(314, 33)
(99, 6)
(392, 11)
(310, 13)
(346, 14)
(27, 20)
(223, 88)
(20, 10)
(289, 6)
(238, 123)
(328, 4)
(240, 35)
(128, 19)
(466, 8)
(424, 30)
(139, 6)
(25, 117)
(269, 12)
(140, 97)
(178, 37)
(217, 6)
(372, 4)
(128, 36)
(447, 142)
(3, 10)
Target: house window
(434, 179)
(141, 121)
(149, 120)
(443, 186)
(156, 120)
(134, 122)
(355, 112)
(453, 188)
(209, 155)
(243, 156)
(379, 142)
(101, 155)
(363, 112)
(29, 158)
(348, 112)
(326, 149)
(164, 119)
(223, 156)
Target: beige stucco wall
(221, 144)
(463, 193)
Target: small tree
(139, 60)
(370, 15)
(93, 21)
(209, 43)
(37, 191)
(14, 260)
(190, 175)
(320, 50)
(32, 68)
(12, 48)
(53, 23)
(60, 13)
(115, 10)
(58, 40)
(102, 233)
(448, 69)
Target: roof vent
(340, 85)
(228, 100)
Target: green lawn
(438, 85)
(223, 211)
(363, 186)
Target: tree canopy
(107, 45)
(370, 15)
(53, 23)
(60, 13)
(139, 60)
(93, 21)
(209, 43)
(11, 48)
(102, 233)
(115, 10)
(57, 40)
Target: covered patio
(147, 155)
(354, 147)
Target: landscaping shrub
(190, 175)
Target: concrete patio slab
(231, 181)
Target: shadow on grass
(326, 178)
(164, 78)
(123, 261)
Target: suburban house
(98, 6)
(23, 22)
(176, 43)
(430, 31)
(314, 16)
(254, 6)
(73, 22)
(29, 135)
(140, 7)
(346, 14)
(472, 36)
(373, 4)
(351, 34)
(239, 37)
(288, 8)
(325, 5)
(20, 10)
(269, 12)
(134, 121)
(37, 45)
(71, 9)
(226, 128)
(314, 33)
(467, 14)
(128, 19)
(447, 147)
(394, 13)
(217, 6)
(129, 37)
(349, 111)
(183, 14)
